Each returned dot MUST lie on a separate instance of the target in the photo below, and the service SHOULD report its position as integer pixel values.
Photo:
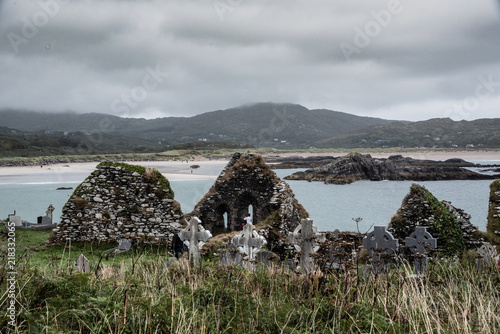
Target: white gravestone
(305, 239)
(249, 243)
(15, 219)
(196, 235)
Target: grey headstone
(265, 257)
(196, 235)
(488, 253)
(419, 243)
(232, 256)
(380, 244)
(82, 264)
(47, 219)
(305, 238)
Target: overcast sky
(406, 59)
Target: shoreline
(181, 170)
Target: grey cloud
(94, 52)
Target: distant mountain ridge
(281, 125)
(436, 132)
(260, 124)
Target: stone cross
(196, 235)
(249, 242)
(82, 264)
(380, 244)
(305, 239)
(419, 242)
(488, 254)
(47, 220)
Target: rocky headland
(355, 166)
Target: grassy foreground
(143, 292)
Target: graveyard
(279, 274)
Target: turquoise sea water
(330, 206)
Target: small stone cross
(196, 235)
(380, 244)
(49, 211)
(249, 242)
(419, 242)
(82, 264)
(305, 238)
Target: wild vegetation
(142, 291)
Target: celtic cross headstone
(381, 245)
(419, 243)
(249, 243)
(305, 239)
(196, 235)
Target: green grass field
(142, 292)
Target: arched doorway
(245, 204)
(222, 219)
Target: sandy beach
(177, 170)
(172, 170)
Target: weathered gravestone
(82, 264)
(305, 239)
(266, 258)
(231, 256)
(249, 242)
(123, 246)
(488, 255)
(47, 220)
(196, 235)
(381, 245)
(419, 243)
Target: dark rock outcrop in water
(450, 225)
(355, 166)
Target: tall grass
(147, 292)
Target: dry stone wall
(117, 201)
(245, 182)
(493, 225)
(450, 225)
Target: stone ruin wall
(247, 180)
(120, 201)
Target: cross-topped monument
(380, 244)
(305, 238)
(196, 235)
(419, 243)
(249, 242)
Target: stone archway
(241, 208)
